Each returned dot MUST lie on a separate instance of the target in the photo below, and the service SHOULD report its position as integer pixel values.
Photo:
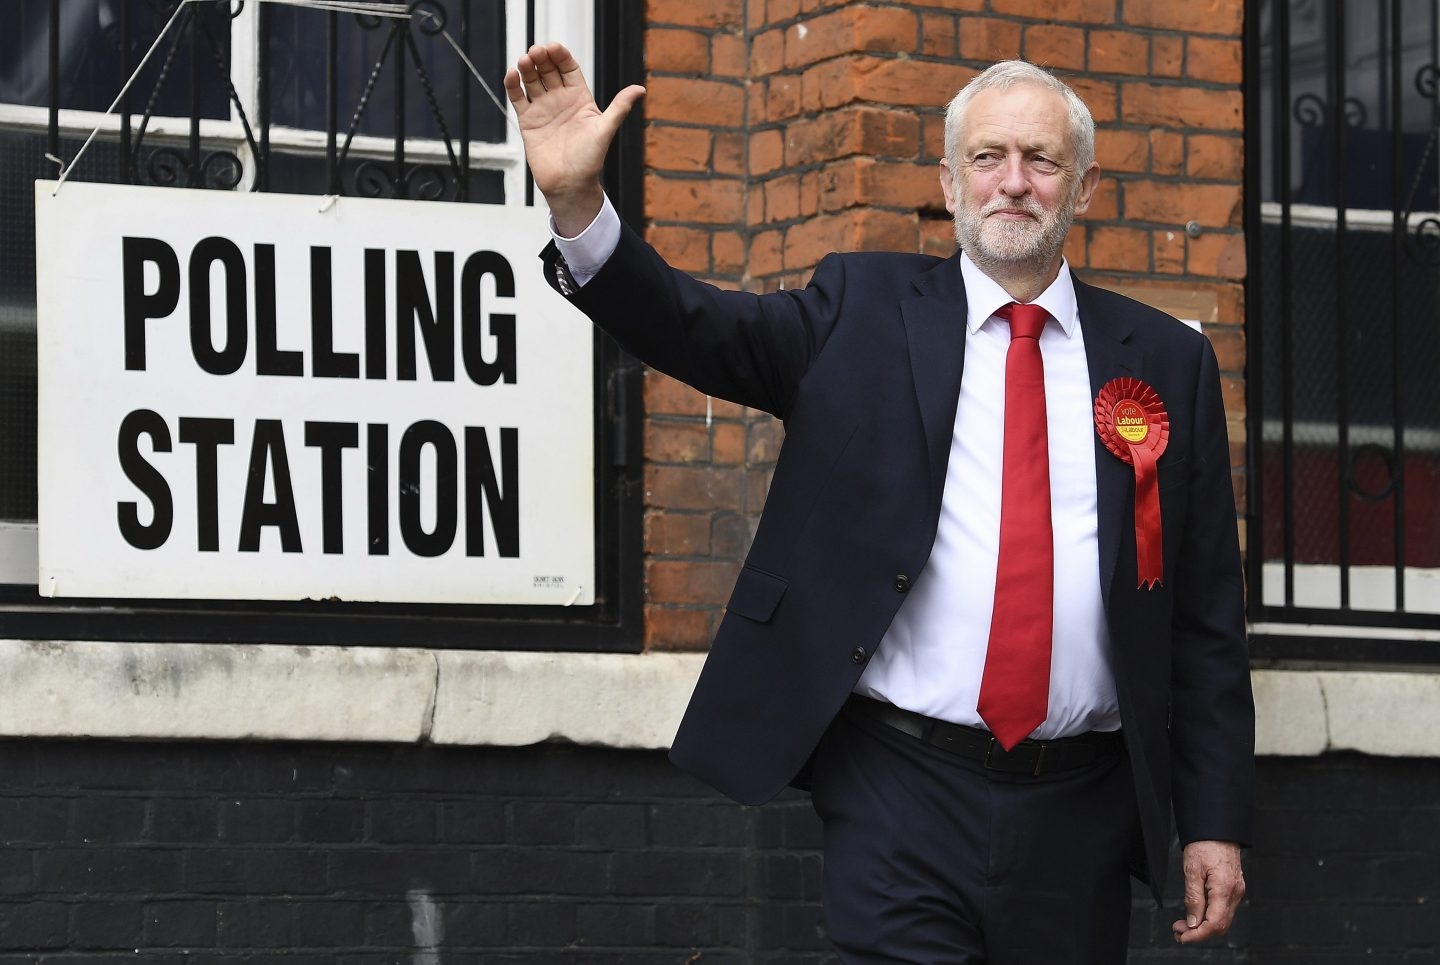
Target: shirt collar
(985, 297)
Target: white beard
(1007, 244)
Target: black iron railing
(1343, 190)
(190, 70)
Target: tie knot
(1026, 320)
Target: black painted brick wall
(361, 855)
(1349, 870)
(373, 855)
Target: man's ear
(947, 185)
(1089, 181)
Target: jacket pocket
(756, 594)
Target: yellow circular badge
(1131, 423)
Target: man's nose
(1012, 177)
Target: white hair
(1005, 75)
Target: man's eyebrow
(1056, 153)
(987, 144)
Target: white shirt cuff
(586, 253)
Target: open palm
(566, 134)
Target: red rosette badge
(1132, 423)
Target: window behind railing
(306, 98)
(1344, 327)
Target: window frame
(606, 37)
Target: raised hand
(566, 134)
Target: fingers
(546, 68)
(1194, 900)
(1222, 899)
(532, 71)
(1187, 929)
(514, 90)
(522, 83)
(565, 69)
(543, 67)
(1213, 924)
(1214, 888)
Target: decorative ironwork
(224, 169)
(1364, 452)
(1312, 110)
(1427, 80)
(424, 182)
(1355, 114)
(167, 166)
(1422, 239)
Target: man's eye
(1044, 163)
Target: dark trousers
(933, 860)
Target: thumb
(620, 106)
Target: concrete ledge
(1388, 714)
(178, 691)
(613, 700)
(1290, 716)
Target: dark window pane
(17, 416)
(92, 70)
(306, 174)
(1348, 149)
(367, 53)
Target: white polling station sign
(272, 397)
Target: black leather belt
(1027, 757)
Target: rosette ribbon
(1132, 423)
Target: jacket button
(902, 584)
(858, 655)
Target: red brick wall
(779, 130)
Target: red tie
(1014, 692)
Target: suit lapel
(935, 330)
(1109, 354)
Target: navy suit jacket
(863, 366)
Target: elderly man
(992, 616)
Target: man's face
(1016, 188)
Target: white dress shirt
(586, 253)
(931, 658)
